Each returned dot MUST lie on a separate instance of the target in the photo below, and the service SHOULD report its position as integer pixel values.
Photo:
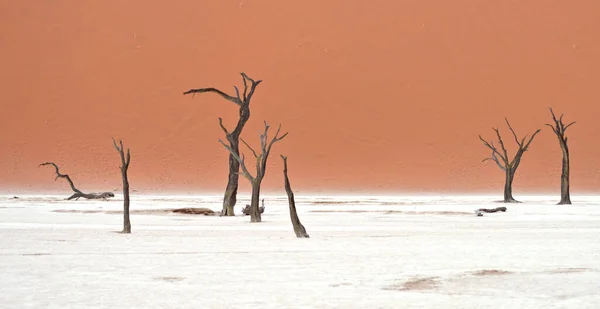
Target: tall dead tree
(559, 129)
(233, 137)
(299, 229)
(124, 167)
(78, 194)
(261, 167)
(501, 158)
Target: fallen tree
(299, 229)
(78, 194)
(194, 211)
(479, 212)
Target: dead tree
(78, 194)
(233, 137)
(299, 229)
(559, 129)
(124, 166)
(261, 166)
(501, 158)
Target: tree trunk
(254, 208)
(479, 212)
(510, 176)
(299, 229)
(126, 222)
(565, 195)
(230, 198)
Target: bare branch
(570, 124)
(115, 143)
(531, 139)
(495, 158)
(492, 148)
(559, 128)
(128, 158)
(244, 77)
(245, 172)
(553, 128)
(59, 175)
(253, 152)
(237, 92)
(553, 115)
(121, 150)
(276, 138)
(513, 132)
(253, 86)
(223, 127)
(505, 153)
(235, 100)
(263, 138)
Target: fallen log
(479, 212)
(195, 211)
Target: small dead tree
(501, 158)
(559, 129)
(261, 166)
(299, 229)
(78, 194)
(233, 137)
(124, 166)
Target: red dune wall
(378, 96)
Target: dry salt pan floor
(388, 252)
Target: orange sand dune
(383, 96)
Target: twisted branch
(78, 194)
(237, 99)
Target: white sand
(538, 255)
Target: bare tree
(503, 162)
(261, 166)
(559, 129)
(124, 166)
(78, 194)
(233, 137)
(299, 229)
